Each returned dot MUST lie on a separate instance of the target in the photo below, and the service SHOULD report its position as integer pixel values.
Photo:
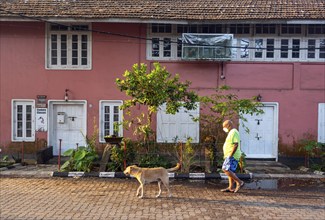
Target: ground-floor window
(110, 119)
(23, 120)
(321, 122)
(178, 127)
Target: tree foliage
(153, 89)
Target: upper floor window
(265, 29)
(23, 122)
(316, 49)
(187, 28)
(211, 28)
(261, 44)
(195, 28)
(68, 46)
(239, 28)
(291, 29)
(161, 28)
(316, 29)
(110, 119)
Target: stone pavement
(114, 198)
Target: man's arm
(234, 149)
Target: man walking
(231, 155)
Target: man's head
(227, 125)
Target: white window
(23, 120)
(264, 48)
(321, 122)
(164, 48)
(259, 42)
(290, 48)
(110, 119)
(178, 127)
(316, 49)
(68, 46)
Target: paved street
(97, 198)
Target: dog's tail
(178, 165)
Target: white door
(68, 124)
(321, 123)
(261, 141)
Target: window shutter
(321, 122)
(178, 127)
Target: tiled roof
(190, 10)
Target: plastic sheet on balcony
(206, 46)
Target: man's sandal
(227, 190)
(239, 186)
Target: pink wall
(297, 87)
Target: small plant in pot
(114, 138)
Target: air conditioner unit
(206, 46)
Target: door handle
(258, 121)
(258, 137)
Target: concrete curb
(20, 172)
(171, 175)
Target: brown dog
(148, 175)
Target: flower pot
(113, 140)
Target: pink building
(60, 59)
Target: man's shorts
(230, 164)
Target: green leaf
(68, 152)
(65, 166)
(80, 154)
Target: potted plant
(114, 139)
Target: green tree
(220, 106)
(152, 89)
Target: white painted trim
(321, 123)
(51, 103)
(69, 33)
(276, 126)
(100, 118)
(32, 139)
(275, 149)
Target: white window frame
(236, 56)
(303, 53)
(173, 55)
(111, 104)
(24, 103)
(175, 123)
(69, 33)
(317, 49)
(321, 123)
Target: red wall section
(312, 76)
(259, 75)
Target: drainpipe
(222, 76)
(59, 157)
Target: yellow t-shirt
(232, 137)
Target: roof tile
(191, 10)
